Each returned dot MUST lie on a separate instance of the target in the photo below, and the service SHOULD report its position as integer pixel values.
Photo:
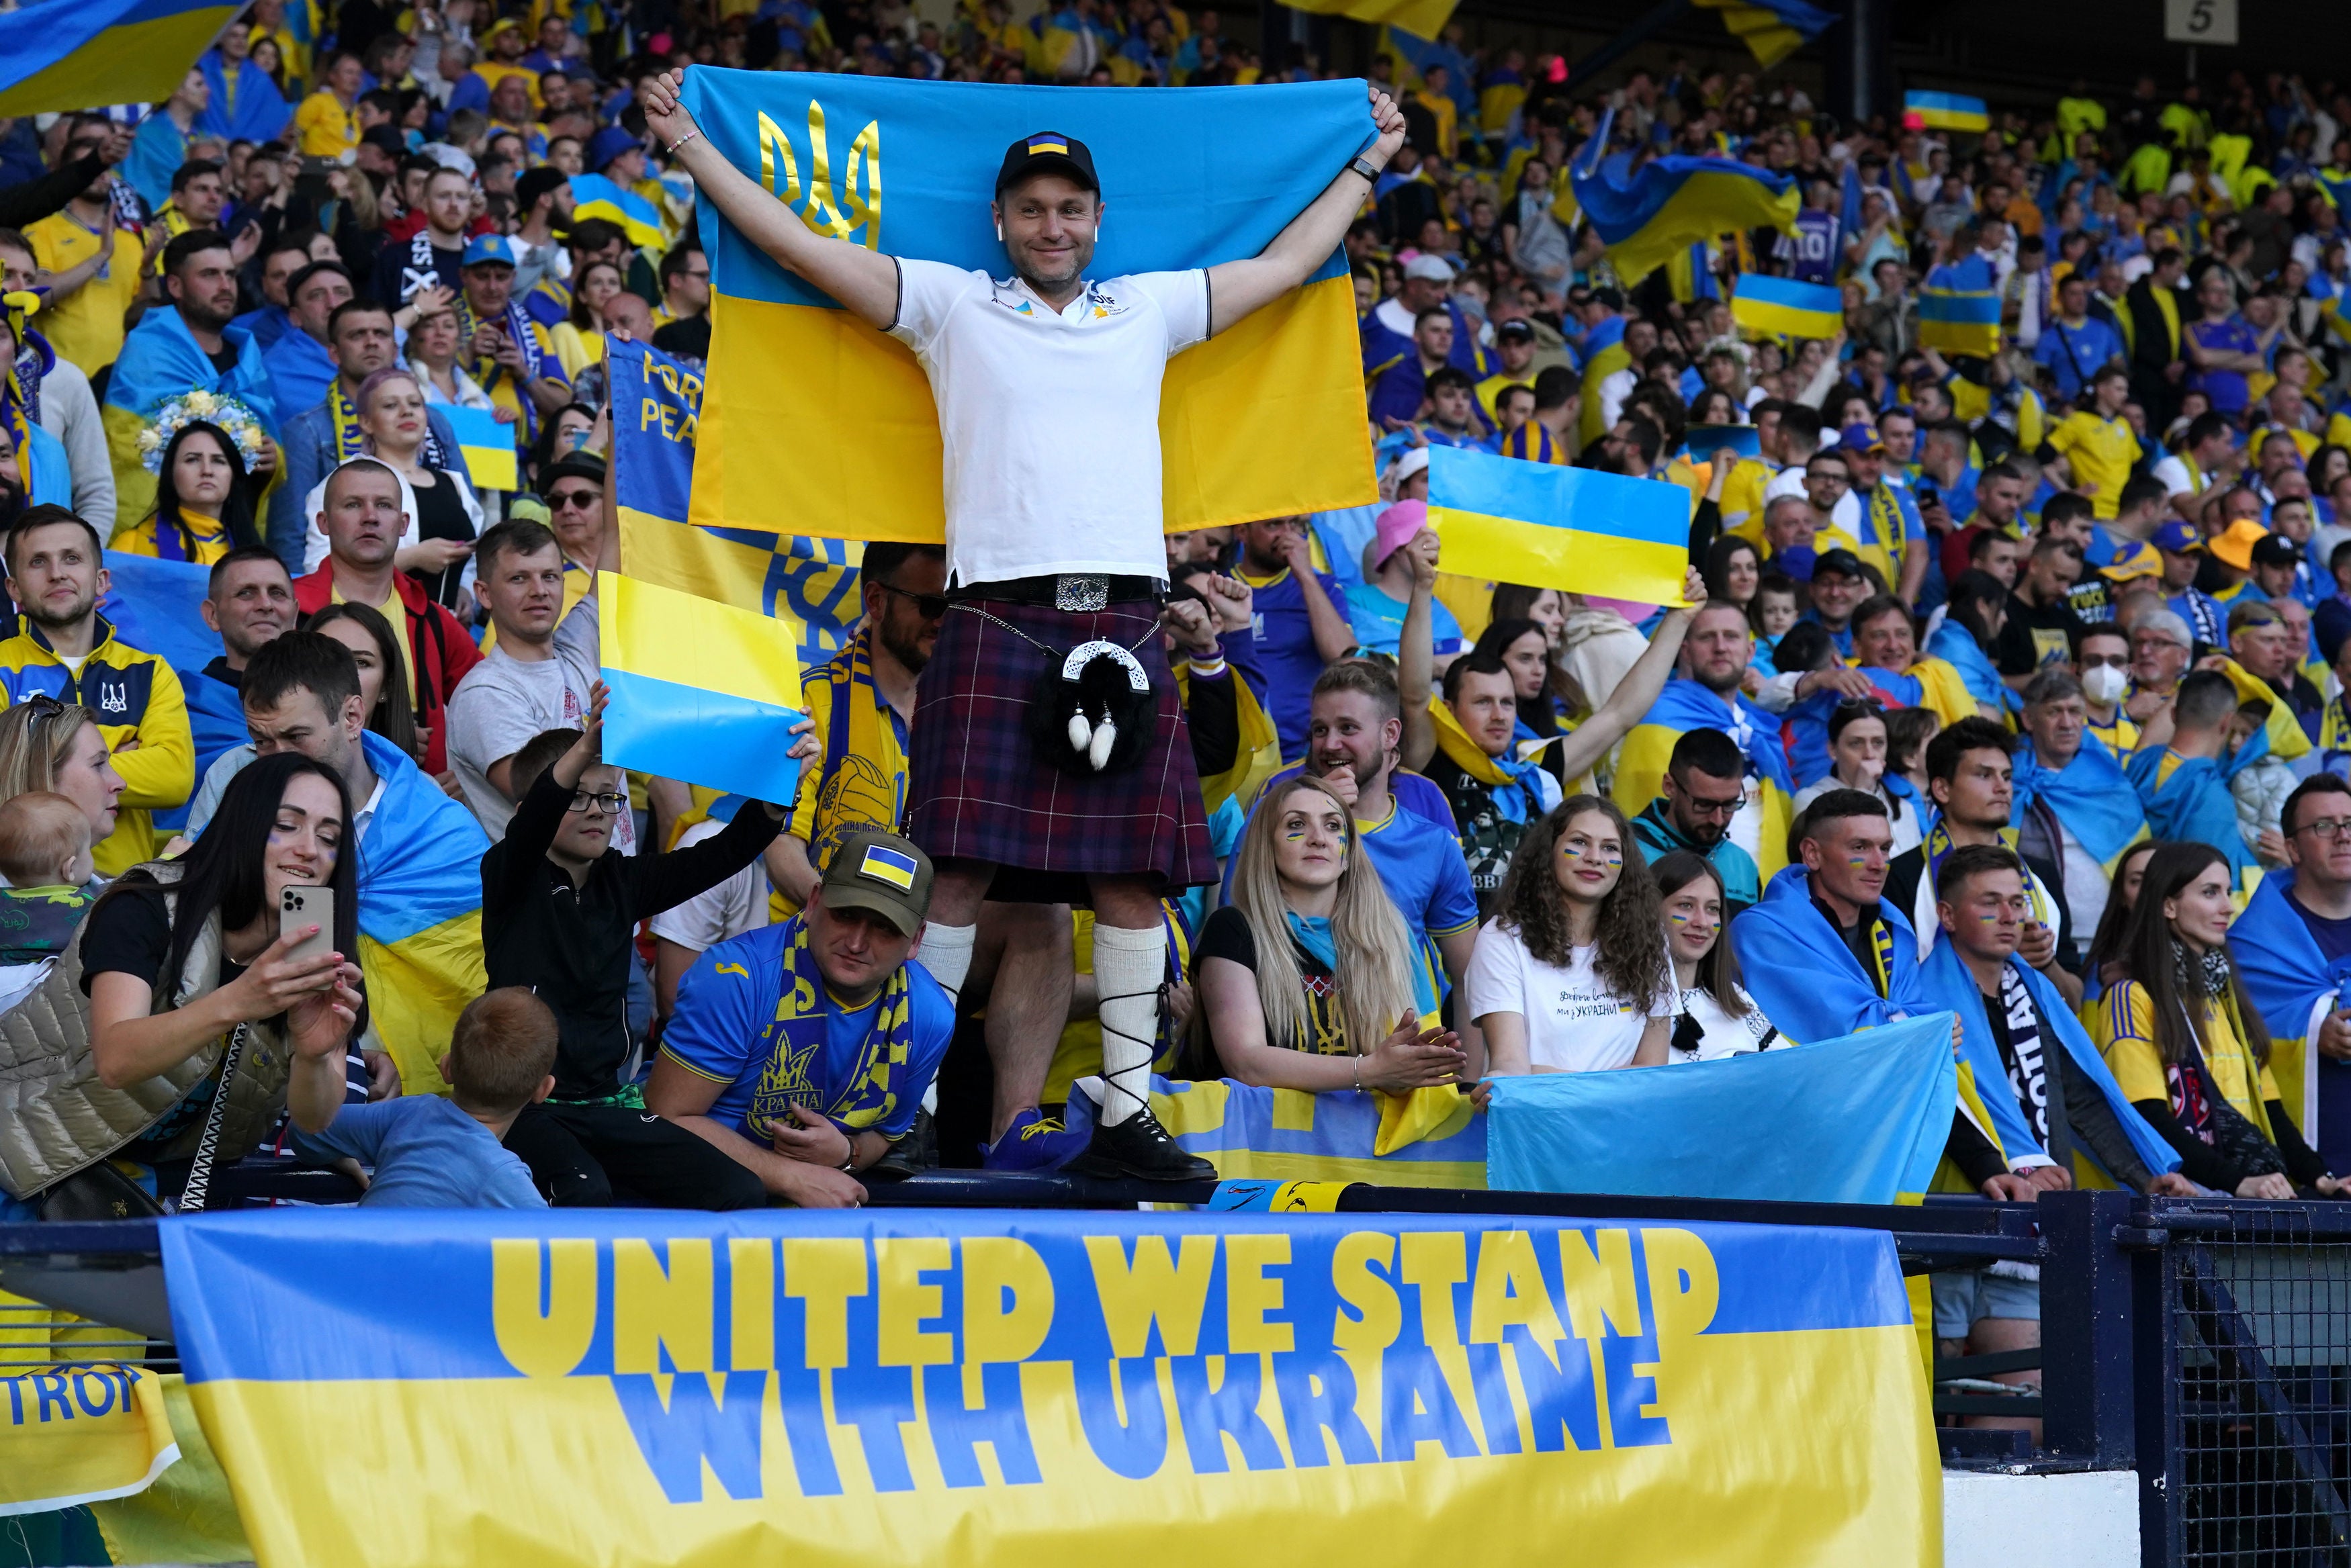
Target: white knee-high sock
(946, 953)
(1129, 968)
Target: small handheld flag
(1960, 320)
(1944, 112)
(1573, 529)
(1785, 307)
(702, 691)
(487, 447)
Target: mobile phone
(299, 907)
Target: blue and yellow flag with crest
(1266, 420)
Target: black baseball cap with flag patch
(881, 873)
(1047, 152)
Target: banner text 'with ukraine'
(1264, 419)
(1049, 1389)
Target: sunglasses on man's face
(578, 500)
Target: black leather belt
(1073, 591)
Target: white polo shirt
(1050, 419)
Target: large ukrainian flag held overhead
(55, 56)
(1267, 419)
(1575, 529)
(1645, 216)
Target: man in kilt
(1049, 758)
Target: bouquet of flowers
(240, 423)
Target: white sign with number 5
(2200, 21)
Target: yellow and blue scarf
(795, 1042)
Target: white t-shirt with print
(1574, 1023)
(1049, 420)
(739, 904)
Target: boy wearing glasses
(559, 918)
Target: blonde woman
(1305, 980)
(46, 744)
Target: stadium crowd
(2009, 683)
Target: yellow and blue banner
(1960, 320)
(80, 1433)
(656, 421)
(594, 196)
(1429, 1139)
(1575, 529)
(1780, 306)
(1264, 419)
(701, 692)
(1050, 1389)
(1683, 706)
(1944, 112)
(1646, 215)
(57, 58)
(1859, 1120)
(1772, 29)
(487, 447)
(420, 915)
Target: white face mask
(2104, 684)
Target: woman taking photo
(181, 962)
(203, 501)
(1569, 975)
(579, 339)
(1713, 1014)
(2187, 1047)
(1304, 979)
(46, 744)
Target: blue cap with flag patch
(1048, 152)
(883, 873)
(489, 250)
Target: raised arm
(865, 282)
(1239, 287)
(1637, 691)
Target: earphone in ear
(999, 234)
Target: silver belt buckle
(1080, 592)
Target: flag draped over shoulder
(160, 361)
(1772, 29)
(2291, 984)
(1645, 215)
(1862, 1118)
(420, 915)
(656, 423)
(2091, 795)
(55, 56)
(1685, 705)
(2188, 798)
(1266, 420)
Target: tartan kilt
(978, 790)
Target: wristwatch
(1360, 165)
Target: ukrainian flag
(701, 692)
(1645, 215)
(1960, 320)
(593, 196)
(1683, 706)
(1575, 529)
(2294, 986)
(1267, 419)
(1604, 353)
(1944, 112)
(1780, 306)
(656, 420)
(55, 56)
(488, 446)
(420, 915)
(1286, 1135)
(1772, 29)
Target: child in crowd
(45, 855)
(433, 1153)
(1770, 613)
